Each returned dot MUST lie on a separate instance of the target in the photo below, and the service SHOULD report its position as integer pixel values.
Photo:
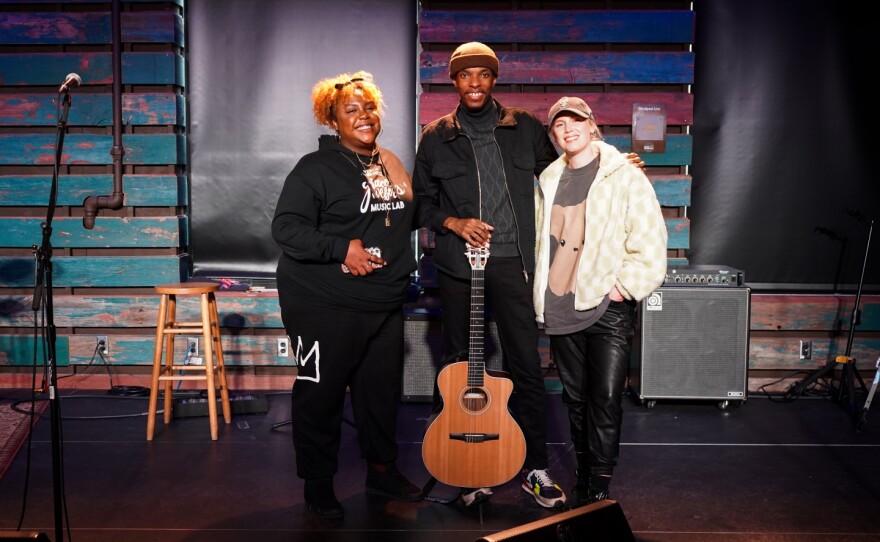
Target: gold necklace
(366, 167)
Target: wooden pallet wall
(611, 53)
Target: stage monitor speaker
(423, 354)
(692, 343)
(599, 522)
(23, 536)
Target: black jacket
(446, 181)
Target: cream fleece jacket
(625, 238)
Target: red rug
(14, 429)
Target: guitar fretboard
(476, 363)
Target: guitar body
(473, 441)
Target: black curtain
(251, 66)
(784, 176)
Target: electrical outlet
(806, 350)
(192, 346)
(283, 347)
(103, 344)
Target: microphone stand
(849, 371)
(43, 295)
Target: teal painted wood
(574, 68)
(679, 233)
(133, 311)
(238, 350)
(572, 26)
(783, 353)
(95, 68)
(245, 310)
(672, 190)
(812, 312)
(80, 28)
(109, 232)
(97, 271)
(610, 108)
(92, 149)
(679, 149)
(19, 351)
(140, 190)
(677, 261)
(93, 110)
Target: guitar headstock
(477, 256)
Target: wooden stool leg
(171, 322)
(218, 353)
(208, 340)
(157, 364)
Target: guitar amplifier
(423, 354)
(692, 343)
(703, 275)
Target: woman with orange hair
(344, 221)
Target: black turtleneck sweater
(479, 126)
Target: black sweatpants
(335, 350)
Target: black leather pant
(592, 367)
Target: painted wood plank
(162, 68)
(161, 109)
(97, 271)
(574, 68)
(140, 190)
(679, 149)
(782, 353)
(19, 350)
(612, 108)
(236, 310)
(238, 350)
(678, 232)
(571, 26)
(109, 232)
(92, 149)
(672, 190)
(785, 312)
(80, 28)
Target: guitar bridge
(473, 437)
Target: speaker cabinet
(599, 522)
(423, 355)
(692, 343)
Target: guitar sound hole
(474, 400)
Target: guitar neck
(476, 363)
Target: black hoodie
(325, 203)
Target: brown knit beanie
(472, 55)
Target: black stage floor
(689, 471)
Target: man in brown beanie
(474, 178)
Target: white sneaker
(470, 496)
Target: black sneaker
(387, 481)
(583, 495)
(539, 485)
(321, 500)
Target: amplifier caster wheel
(723, 405)
(651, 404)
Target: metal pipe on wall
(115, 200)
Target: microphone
(73, 80)
(825, 231)
(855, 213)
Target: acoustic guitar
(473, 441)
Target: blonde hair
(328, 93)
